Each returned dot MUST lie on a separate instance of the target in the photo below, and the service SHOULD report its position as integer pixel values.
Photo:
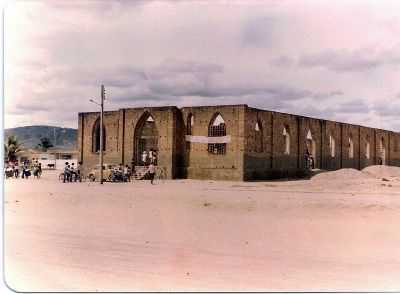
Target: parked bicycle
(79, 177)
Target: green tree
(45, 144)
(11, 148)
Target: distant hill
(30, 136)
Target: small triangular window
(218, 120)
(309, 136)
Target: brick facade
(260, 144)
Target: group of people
(72, 173)
(27, 169)
(149, 157)
(121, 173)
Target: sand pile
(382, 171)
(345, 174)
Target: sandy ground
(339, 231)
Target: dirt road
(329, 234)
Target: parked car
(94, 174)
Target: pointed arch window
(96, 137)
(286, 135)
(189, 124)
(217, 128)
(351, 148)
(367, 148)
(258, 129)
(332, 146)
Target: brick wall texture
(262, 144)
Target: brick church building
(231, 142)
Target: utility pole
(101, 104)
(103, 94)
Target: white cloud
(308, 57)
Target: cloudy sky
(336, 60)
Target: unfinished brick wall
(331, 149)
(165, 124)
(120, 129)
(85, 144)
(200, 164)
(328, 142)
(382, 143)
(394, 149)
(258, 146)
(350, 134)
(310, 137)
(367, 139)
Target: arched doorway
(146, 141)
(311, 149)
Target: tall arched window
(217, 128)
(286, 135)
(189, 124)
(189, 131)
(382, 148)
(332, 146)
(258, 129)
(367, 148)
(96, 137)
(351, 147)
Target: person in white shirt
(16, 170)
(144, 157)
(127, 173)
(152, 172)
(73, 172)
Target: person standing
(144, 157)
(40, 169)
(73, 172)
(155, 157)
(26, 171)
(35, 171)
(121, 172)
(127, 175)
(16, 170)
(307, 159)
(66, 173)
(152, 172)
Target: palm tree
(45, 144)
(11, 148)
